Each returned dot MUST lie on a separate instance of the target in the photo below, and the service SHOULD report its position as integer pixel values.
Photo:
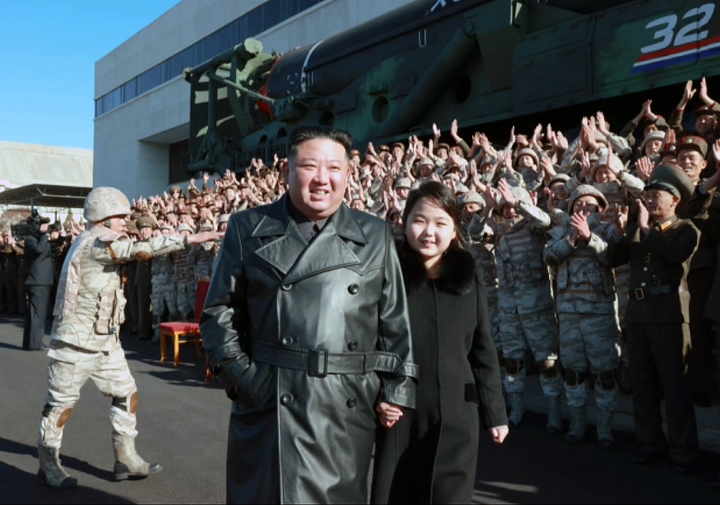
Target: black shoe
(647, 458)
(684, 468)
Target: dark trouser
(3, 292)
(656, 353)
(131, 309)
(34, 330)
(699, 375)
(21, 292)
(144, 320)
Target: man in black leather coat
(38, 253)
(306, 326)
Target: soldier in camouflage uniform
(589, 334)
(85, 336)
(202, 257)
(185, 278)
(527, 311)
(164, 292)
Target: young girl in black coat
(429, 455)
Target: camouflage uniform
(164, 293)
(85, 342)
(527, 312)
(202, 257)
(185, 279)
(589, 334)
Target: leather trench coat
(305, 338)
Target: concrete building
(142, 103)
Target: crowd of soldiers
(540, 212)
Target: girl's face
(429, 230)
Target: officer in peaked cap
(659, 247)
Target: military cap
(129, 224)
(460, 188)
(145, 222)
(472, 197)
(400, 145)
(487, 159)
(185, 227)
(655, 135)
(402, 182)
(585, 190)
(528, 152)
(668, 149)
(659, 122)
(206, 226)
(384, 149)
(443, 145)
(672, 179)
(354, 152)
(174, 188)
(561, 178)
(520, 194)
(693, 142)
(224, 218)
(426, 161)
(614, 162)
(704, 110)
(167, 226)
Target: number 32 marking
(687, 34)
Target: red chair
(185, 332)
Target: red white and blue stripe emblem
(676, 55)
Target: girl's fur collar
(457, 270)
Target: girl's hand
(390, 414)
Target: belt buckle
(639, 294)
(318, 363)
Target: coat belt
(320, 362)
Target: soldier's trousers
(656, 353)
(538, 332)
(186, 298)
(590, 342)
(164, 296)
(142, 298)
(68, 373)
(34, 329)
(699, 373)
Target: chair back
(203, 286)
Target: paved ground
(183, 425)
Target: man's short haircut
(308, 132)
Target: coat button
(352, 345)
(351, 402)
(286, 287)
(286, 399)
(287, 341)
(353, 289)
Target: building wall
(131, 141)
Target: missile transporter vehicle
(482, 62)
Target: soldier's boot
(51, 472)
(554, 422)
(128, 463)
(604, 430)
(517, 409)
(156, 335)
(515, 387)
(578, 421)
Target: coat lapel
(283, 252)
(329, 251)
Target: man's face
(670, 159)
(586, 205)
(660, 204)
(230, 194)
(603, 175)
(509, 212)
(649, 129)
(54, 235)
(317, 176)
(692, 163)
(118, 224)
(704, 124)
(652, 147)
(397, 153)
(145, 233)
(468, 210)
(167, 232)
(425, 171)
(402, 193)
(357, 204)
(442, 153)
(526, 161)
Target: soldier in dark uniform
(131, 309)
(3, 287)
(659, 248)
(143, 286)
(9, 279)
(60, 246)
